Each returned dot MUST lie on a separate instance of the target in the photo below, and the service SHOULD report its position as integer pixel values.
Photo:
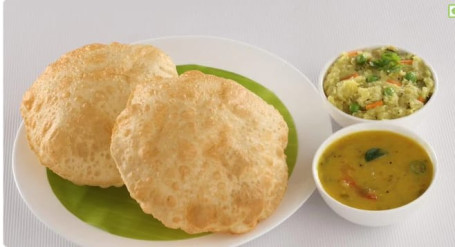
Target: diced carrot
(371, 195)
(395, 82)
(349, 182)
(374, 105)
(406, 61)
(421, 99)
(352, 53)
(350, 76)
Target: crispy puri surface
(70, 109)
(202, 153)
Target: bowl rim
(323, 72)
(375, 126)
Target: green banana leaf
(114, 211)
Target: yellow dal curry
(375, 170)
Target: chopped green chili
(418, 166)
(360, 59)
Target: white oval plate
(289, 84)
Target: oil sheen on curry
(375, 170)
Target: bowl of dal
(374, 174)
(378, 83)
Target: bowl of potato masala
(378, 83)
(374, 174)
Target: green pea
(354, 107)
(360, 59)
(389, 91)
(372, 78)
(411, 76)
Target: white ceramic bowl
(373, 217)
(345, 119)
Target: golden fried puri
(202, 153)
(70, 109)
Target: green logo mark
(451, 10)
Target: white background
(305, 33)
